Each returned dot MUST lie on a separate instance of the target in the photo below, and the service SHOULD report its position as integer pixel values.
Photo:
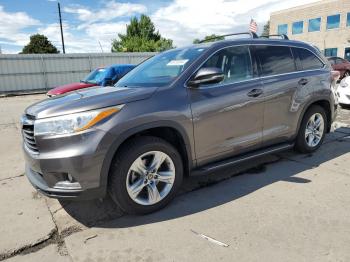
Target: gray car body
(213, 123)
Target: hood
(88, 99)
(68, 88)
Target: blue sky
(86, 23)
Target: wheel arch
(167, 130)
(325, 104)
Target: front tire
(145, 175)
(312, 130)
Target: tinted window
(275, 59)
(333, 21)
(297, 27)
(282, 29)
(314, 24)
(348, 19)
(309, 60)
(339, 60)
(234, 62)
(331, 60)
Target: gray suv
(185, 111)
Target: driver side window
(234, 62)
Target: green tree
(266, 30)
(141, 36)
(208, 38)
(39, 44)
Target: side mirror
(108, 82)
(208, 75)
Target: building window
(282, 29)
(348, 19)
(331, 51)
(297, 27)
(333, 21)
(314, 24)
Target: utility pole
(59, 14)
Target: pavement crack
(32, 248)
(54, 237)
(8, 178)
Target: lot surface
(284, 207)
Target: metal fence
(27, 73)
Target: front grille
(28, 134)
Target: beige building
(325, 24)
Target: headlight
(72, 123)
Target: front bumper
(78, 157)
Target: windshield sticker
(177, 62)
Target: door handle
(303, 81)
(255, 92)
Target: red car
(102, 76)
(341, 65)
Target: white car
(343, 91)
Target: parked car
(341, 65)
(102, 76)
(186, 111)
(343, 92)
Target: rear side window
(275, 60)
(308, 60)
(340, 61)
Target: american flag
(253, 26)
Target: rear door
(290, 76)
(280, 79)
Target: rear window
(308, 60)
(275, 60)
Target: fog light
(67, 185)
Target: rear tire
(312, 130)
(136, 183)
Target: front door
(227, 117)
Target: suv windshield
(161, 69)
(96, 76)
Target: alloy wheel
(314, 130)
(150, 178)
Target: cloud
(185, 20)
(110, 11)
(12, 25)
(86, 40)
(180, 20)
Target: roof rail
(283, 36)
(252, 35)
